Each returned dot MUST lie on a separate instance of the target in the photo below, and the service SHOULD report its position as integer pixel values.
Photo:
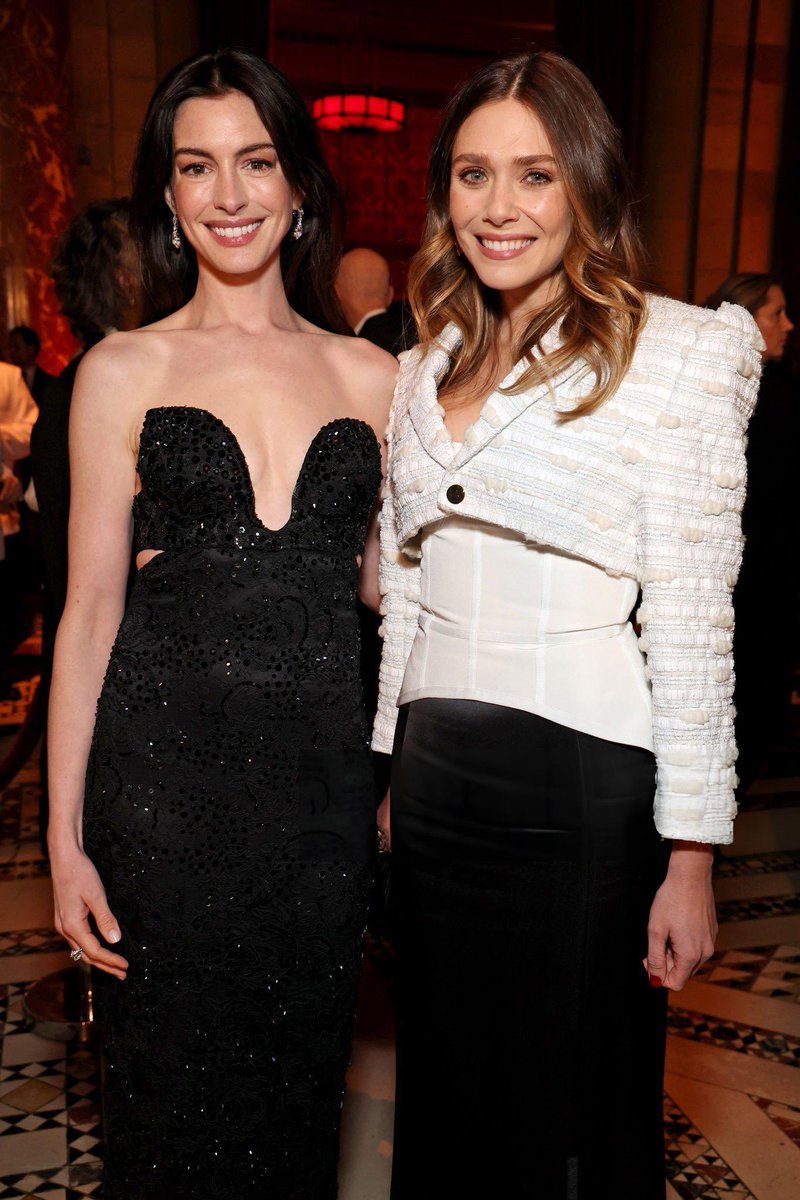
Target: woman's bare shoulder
(377, 368)
(118, 378)
(365, 375)
(106, 364)
(136, 356)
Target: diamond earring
(297, 217)
(176, 233)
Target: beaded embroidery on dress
(230, 813)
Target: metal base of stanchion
(60, 1005)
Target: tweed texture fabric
(651, 486)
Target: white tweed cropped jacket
(651, 486)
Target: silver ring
(76, 955)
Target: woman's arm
(690, 545)
(374, 382)
(100, 527)
(368, 591)
(398, 579)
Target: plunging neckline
(242, 459)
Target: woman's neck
(521, 305)
(252, 302)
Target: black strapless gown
(230, 813)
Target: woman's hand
(683, 919)
(78, 892)
(384, 824)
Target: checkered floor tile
(24, 868)
(61, 1094)
(694, 1168)
(764, 906)
(767, 970)
(785, 1117)
(758, 864)
(30, 941)
(732, 1035)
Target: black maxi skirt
(530, 1042)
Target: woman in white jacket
(560, 440)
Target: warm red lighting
(355, 110)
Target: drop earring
(297, 218)
(176, 232)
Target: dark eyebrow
(254, 147)
(207, 153)
(533, 160)
(526, 160)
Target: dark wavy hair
(309, 264)
(602, 302)
(85, 269)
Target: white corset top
(511, 623)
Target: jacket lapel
(499, 411)
(423, 401)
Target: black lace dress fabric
(230, 812)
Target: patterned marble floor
(732, 1089)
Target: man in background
(23, 351)
(17, 414)
(365, 292)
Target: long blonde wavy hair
(601, 302)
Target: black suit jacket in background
(392, 330)
(50, 460)
(40, 381)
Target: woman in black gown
(224, 840)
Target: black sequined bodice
(197, 490)
(229, 810)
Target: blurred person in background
(99, 288)
(766, 641)
(98, 285)
(24, 345)
(365, 292)
(17, 414)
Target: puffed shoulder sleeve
(690, 545)
(398, 580)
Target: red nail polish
(655, 981)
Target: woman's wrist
(64, 837)
(691, 859)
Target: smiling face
(508, 204)
(773, 323)
(232, 199)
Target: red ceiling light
(358, 111)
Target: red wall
(35, 167)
